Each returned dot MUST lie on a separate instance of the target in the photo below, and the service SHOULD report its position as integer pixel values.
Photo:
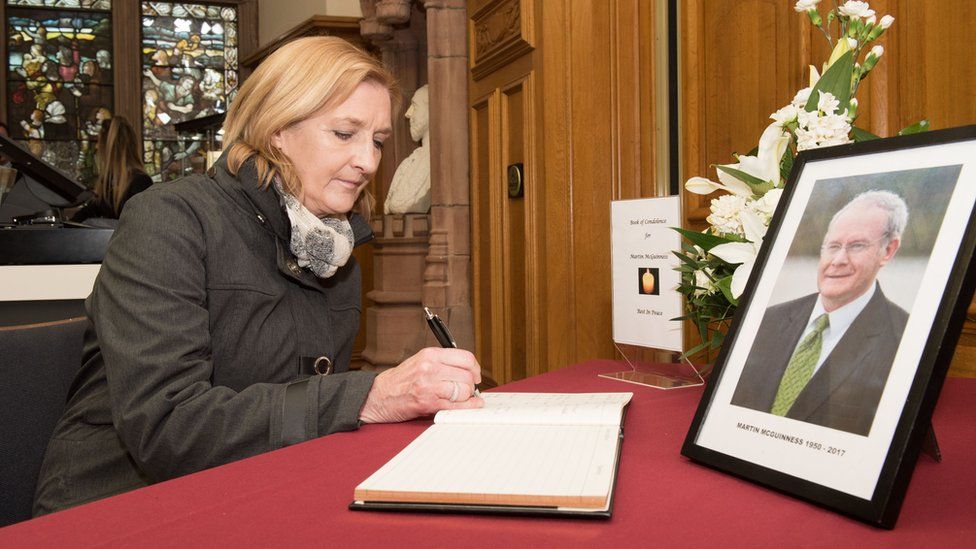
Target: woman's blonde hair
(292, 84)
(117, 160)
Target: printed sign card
(645, 298)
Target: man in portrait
(824, 358)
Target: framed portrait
(825, 386)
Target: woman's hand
(422, 385)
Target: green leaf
(836, 81)
(703, 240)
(717, 339)
(725, 284)
(786, 165)
(695, 349)
(918, 127)
(748, 179)
(759, 187)
(702, 328)
(686, 259)
(863, 135)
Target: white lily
(765, 165)
(743, 253)
(703, 185)
(843, 46)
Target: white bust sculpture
(410, 189)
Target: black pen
(443, 335)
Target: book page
(542, 409)
(550, 465)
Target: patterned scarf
(320, 244)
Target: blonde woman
(225, 311)
(121, 174)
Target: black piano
(46, 263)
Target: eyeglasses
(852, 249)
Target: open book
(522, 452)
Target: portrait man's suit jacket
(844, 393)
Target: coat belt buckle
(318, 366)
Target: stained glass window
(189, 61)
(59, 79)
(83, 4)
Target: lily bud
(871, 60)
(878, 51)
(815, 18)
(843, 46)
(878, 30)
(871, 20)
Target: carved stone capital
(374, 31)
(444, 4)
(393, 12)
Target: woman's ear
(276, 139)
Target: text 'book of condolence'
(538, 453)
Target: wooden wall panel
(556, 184)
(504, 230)
(931, 51)
(741, 61)
(576, 108)
(513, 152)
(480, 125)
(593, 174)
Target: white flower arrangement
(717, 263)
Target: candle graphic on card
(647, 281)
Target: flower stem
(830, 41)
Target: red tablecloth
(297, 496)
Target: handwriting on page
(543, 409)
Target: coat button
(293, 267)
(261, 220)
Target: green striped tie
(800, 369)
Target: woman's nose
(366, 157)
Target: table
(297, 496)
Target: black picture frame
(782, 453)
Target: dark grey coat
(201, 337)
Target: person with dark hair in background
(121, 174)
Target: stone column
(447, 277)
(395, 327)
